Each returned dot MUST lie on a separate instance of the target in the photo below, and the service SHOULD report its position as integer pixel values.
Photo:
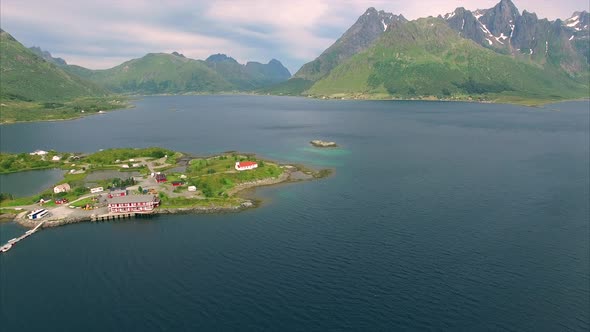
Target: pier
(14, 241)
(116, 216)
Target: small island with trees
(113, 182)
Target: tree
(140, 189)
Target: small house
(38, 153)
(118, 193)
(192, 188)
(177, 183)
(56, 158)
(61, 201)
(62, 188)
(125, 166)
(246, 165)
(160, 178)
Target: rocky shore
(290, 174)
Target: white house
(245, 165)
(96, 190)
(56, 158)
(125, 166)
(192, 188)
(61, 188)
(38, 153)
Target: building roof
(63, 186)
(118, 191)
(132, 199)
(246, 163)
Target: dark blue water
(439, 216)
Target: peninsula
(119, 183)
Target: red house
(133, 203)
(117, 193)
(177, 183)
(161, 178)
(245, 165)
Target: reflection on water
(30, 182)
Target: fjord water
(439, 216)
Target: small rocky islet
(323, 144)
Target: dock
(16, 240)
(116, 216)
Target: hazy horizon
(291, 32)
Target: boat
(11, 241)
(6, 248)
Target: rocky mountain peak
(500, 20)
(220, 58)
(579, 21)
(363, 33)
(47, 56)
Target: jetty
(14, 241)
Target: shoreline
(541, 104)
(244, 203)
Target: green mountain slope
(252, 76)
(426, 58)
(157, 73)
(27, 77)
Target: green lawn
(215, 176)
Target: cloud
(100, 33)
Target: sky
(102, 34)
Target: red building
(161, 178)
(246, 165)
(133, 203)
(177, 183)
(118, 193)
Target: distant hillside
(47, 56)
(492, 54)
(28, 77)
(426, 58)
(157, 73)
(251, 76)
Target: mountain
(578, 25)
(251, 76)
(525, 36)
(47, 56)
(357, 38)
(157, 73)
(491, 54)
(28, 77)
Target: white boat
(6, 247)
(11, 241)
